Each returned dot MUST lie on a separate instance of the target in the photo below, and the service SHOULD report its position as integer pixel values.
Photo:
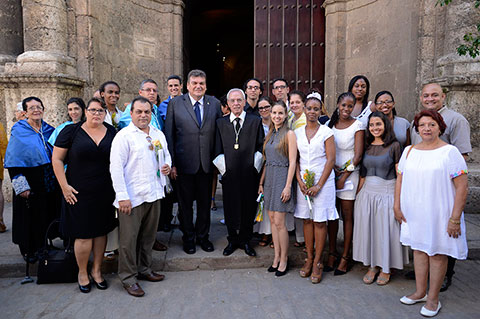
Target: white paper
(219, 163)
(259, 198)
(404, 230)
(347, 187)
(258, 161)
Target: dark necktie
(237, 125)
(196, 108)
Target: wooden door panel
(289, 43)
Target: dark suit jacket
(190, 145)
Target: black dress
(88, 172)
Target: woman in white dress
(349, 134)
(430, 195)
(110, 93)
(316, 149)
(376, 233)
(359, 86)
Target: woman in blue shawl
(36, 200)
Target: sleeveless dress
(276, 171)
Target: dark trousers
(450, 266)
(166, 207)
(192, 187)
(242, 236)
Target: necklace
(236, 145)
(40, 131)
(312, 134)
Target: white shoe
(430, 313)
(407, 301)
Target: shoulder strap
(409, 150)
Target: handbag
(56, 265)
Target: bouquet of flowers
(157, 147)
(309, 180)
(259, 215)
(348, 166)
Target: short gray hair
(196, 73)
(147, 81)
(235, 90)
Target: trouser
(166, 209)
(244, 235)
(137, 233)
(450, 266)
(194, 187)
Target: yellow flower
(157, 143)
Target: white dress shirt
(241, 116)
(199, 102)
(133, 166)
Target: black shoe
(447, 281)
(229, 249)
(85, 289)
(410, 275)
(102, 285)
(279, 273)
(272, 269)
(189, 248)
(206, 245)
(166, 228)
(249, 250)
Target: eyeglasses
(35, 108)
(96, 111)
(264, 108)
(384, 102)
(278, 87)
(149, 140)
(149, 90)
(250, 87)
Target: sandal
(369, 277)
(328, 268)
(297, 244)
(213, 206)
(317, 273)
(383, 279)
(264, 241)
(3, 228)
(306, 269)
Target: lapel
(189, 107)
(206, 109)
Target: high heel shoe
(339, 272)
(306, 269)
(317, 273)
(328, 268)
(86, 288)
(279, 273)
(272, 269)
(100, 285)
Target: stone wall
(376, 38)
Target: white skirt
(323, 206)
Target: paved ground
(240, 293)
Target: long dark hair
(352, 83)
(388, 136)
(379, 94)
(335, 117)
(80, 103)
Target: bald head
(432, 96)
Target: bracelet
(455, 221)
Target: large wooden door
(290, 43)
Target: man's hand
(25, 194)
(173, 173)
(125, 206)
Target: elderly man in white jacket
(139, 163)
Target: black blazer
(190, 145)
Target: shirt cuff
(123, 196)
(20, 184)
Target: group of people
(394, 183)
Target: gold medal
(236, 146)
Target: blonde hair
(282, 146)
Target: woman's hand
(165, 169)
(286, 193)
(313, 191)
(341, 181)
(397, 212)
(453, 230)
(69, 194)
(25, 194)
(260, 189)
(303, 187)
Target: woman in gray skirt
(376, 233)
(280, 151)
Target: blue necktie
(196, 108)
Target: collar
(241, 116)
(134, 128)
(194, 101)
(443, 108)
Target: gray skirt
(376, 233)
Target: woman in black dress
(87, 210)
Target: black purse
(56, 265)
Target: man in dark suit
(190, 130)
(239, 137)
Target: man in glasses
(138, 188)
(253, 90)
(148, 90)
(280, 90)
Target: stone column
(11, 35)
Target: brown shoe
(153, 277)
(3, 228)
(158, 246)
(135, 290)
